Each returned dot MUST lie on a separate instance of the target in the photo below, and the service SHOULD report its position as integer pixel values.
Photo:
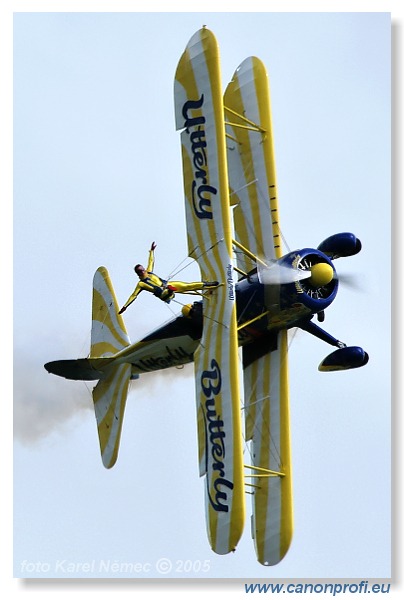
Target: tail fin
(109, 336)
(108, 332)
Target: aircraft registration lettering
(211, 383)
(174, 356)
(201, 190)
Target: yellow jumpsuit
(160, 287)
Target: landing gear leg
(315, 330)
(340, 360)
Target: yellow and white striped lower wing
(199, 114)
(251, 161)
(266, 391)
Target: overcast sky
(97, 177)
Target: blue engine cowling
(314, 298)
(287, 303)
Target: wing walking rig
(234, 234)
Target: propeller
(351, 281)
(276, 274)
(313, 275)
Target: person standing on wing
(161, 288)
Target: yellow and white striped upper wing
(199, 114)
(251, 161)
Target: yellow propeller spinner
(321, 274)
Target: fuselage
(262, 311)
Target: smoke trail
(45, 404)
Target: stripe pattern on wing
(252, 176)
(268, 428)
(251, 161)
(199, 114)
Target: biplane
(233, 229)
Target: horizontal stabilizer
(109, 396)
(108, 332)
(82, 369)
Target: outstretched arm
(131, 298)
(150, 264)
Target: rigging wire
(179, 268)
(195, 259)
